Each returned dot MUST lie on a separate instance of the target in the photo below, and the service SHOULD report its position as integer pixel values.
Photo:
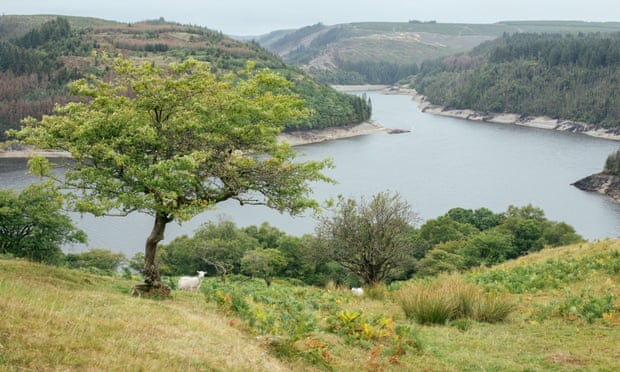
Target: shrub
(101, 259)
(586, 305)
(377, 291)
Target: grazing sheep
(191, 283)
(358, 292)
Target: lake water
(441, 164)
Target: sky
(255, 17)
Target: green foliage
(444, 229)
(443, 258)
(481, 218)
(214, 247)
(612, 164)
(219, 249)
(263, 263)
(330, 108)
(101, 259)
(292, 320)
(488, 248)
(370, 239)
(587, 306)
(548, 274)
(571, 77)
(464, 238)
(34, 226)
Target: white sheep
(358, 292)
(191, 283)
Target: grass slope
(58, 319)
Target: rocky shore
(305, 137)
(296, 138)
(542, 122)
(602, 183)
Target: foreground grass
(56, 319)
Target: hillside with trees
(562, 76)
(386, 52)
(40, 55)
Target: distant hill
(385, 52)
(39, 55)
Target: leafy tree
(612, 164)
(173, 142)
(215, 247)
(558, 234)
(299, 258)
(444, 257)
(445, 229)
(33, 225)
(481, 218)
(263, 263)
(526, 212)
(370, 239)
(527, 235)
(266, 234)
(490, 247)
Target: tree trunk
(151, 271)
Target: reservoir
(442, 163)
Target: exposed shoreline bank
(541, 122)
(307, 137)
(295, 138)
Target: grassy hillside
(566, 316)
(385, 52)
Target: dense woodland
(569, 76)
(37, 65)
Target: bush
(101, 259)
(34, 226)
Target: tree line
(563, 76)
(32, 74)
(362, 242)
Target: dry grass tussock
(451, 298)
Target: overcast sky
(255, 17)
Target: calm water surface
(441, 164)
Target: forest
(37, 65)
(563, 76)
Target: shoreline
(307, 137)
(29, 153)
(541, 122)
(295, 138)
